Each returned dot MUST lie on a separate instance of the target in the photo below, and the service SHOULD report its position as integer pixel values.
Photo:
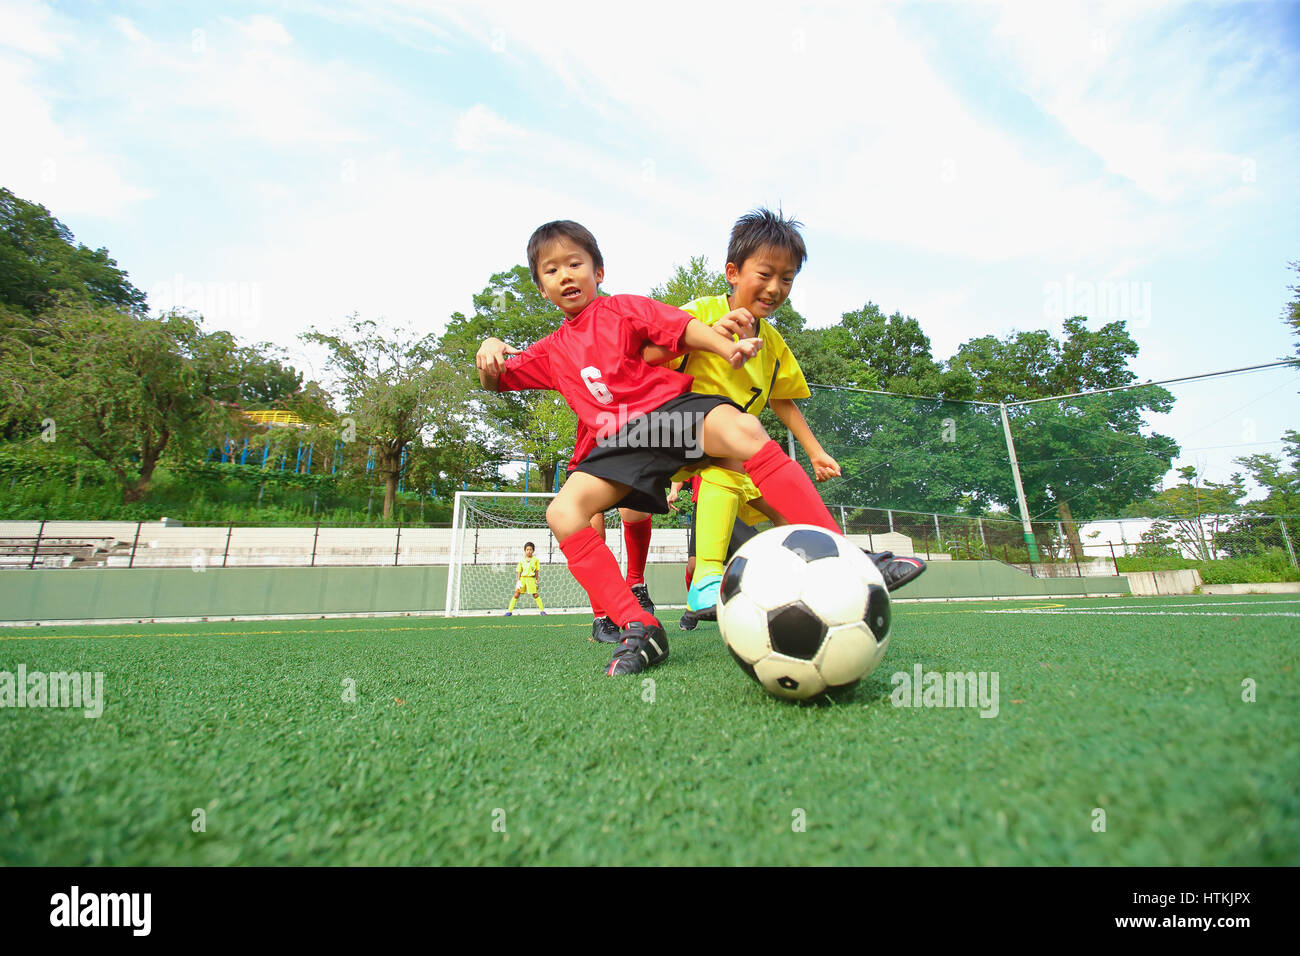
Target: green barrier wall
(53, 595)
(91, 594)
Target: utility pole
(1030, 543)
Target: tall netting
(911, 454)
(1151, 471)
(489, 531)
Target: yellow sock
(538, 599)
(512, 602)
(721, 492)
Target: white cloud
(1159, 96)
(130, 31)
(45, 161)
(478, 128)
(25, 27)
(836, 113)
(264, 31)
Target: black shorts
(740, 533)
(651, 448)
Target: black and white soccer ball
(803, 610)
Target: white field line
(1129, 607)
(1101, 613)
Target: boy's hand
(737, 323)
(492, 354)
(824, 466)
(674, 490)
(743, 351)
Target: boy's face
(528, 552)
(763, 281)
(567, 276)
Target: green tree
(895, 349)
(121, 388)
(512, 309)
(248, 376)
(692, 281)
(1279, 479)
(549, 434)
(40, 261)
(400, 390)
(1086, 455)
(1272, 521)
(1194, 513)
(443, 468)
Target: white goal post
(488, 533)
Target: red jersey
(594, 361)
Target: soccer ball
(803, 610)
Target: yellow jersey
(772, 373)
(527, 568)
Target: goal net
(488, 532)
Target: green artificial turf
(494, 741)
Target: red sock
(637, 536)
(595, 608)
(788, 489)
(593, 564)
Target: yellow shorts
(527, 584)
(750, 516)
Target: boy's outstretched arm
(491, 362)
(736, 323)
(699, 337)
(824, 466)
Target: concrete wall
(1150, 583)
(1263, 587)
(159, 593)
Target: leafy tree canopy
(402, 393)
(40, 261)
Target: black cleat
(642, 647)
(897, 572)
(691, 618)
(605, 631)
(642, 595)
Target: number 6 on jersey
(591, 377)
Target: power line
(877, 391)
(1057, 398)
(1167, 381)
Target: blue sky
(982, 167)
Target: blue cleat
(703, 595)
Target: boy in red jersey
(643, 422)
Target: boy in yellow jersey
(526, 570)
(764, 255)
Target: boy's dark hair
(561, 229)
(762, 227)
(529, 544)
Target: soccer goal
(488, 532)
